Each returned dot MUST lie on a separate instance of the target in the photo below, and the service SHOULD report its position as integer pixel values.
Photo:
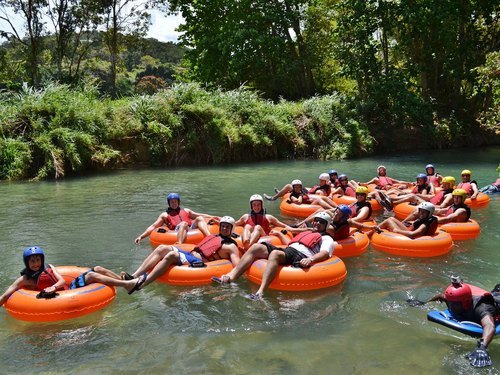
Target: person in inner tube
(425, 225)
(212, 247)
(178, 219)
(297, 253)
(36, 275)
(483, 310)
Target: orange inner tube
(297, 210)
(69, 304)
(481, 200)
(321, 275)
(346, 199)
(354, 245)
(402, 210)
(462, 231)
(187, 275)
(423, 247)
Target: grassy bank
(58, 131)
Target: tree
(31, 12)
(258, 43)
(123, 17)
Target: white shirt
(326, 244)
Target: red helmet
(459, 292)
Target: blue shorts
(79, 281)
(186, 257)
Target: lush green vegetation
(54, 131)
(253, 79)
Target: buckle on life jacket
(162, 230)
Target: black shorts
(292, 256)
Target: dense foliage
(365, 74)
(55, 131)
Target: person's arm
(448, 200)
(241, 221)
(358, 225)
(158, 223)
(451, 217)
(412, 233)
(438, 297)
(58, 284)
(194, 215)
(475, 190)
(325, 252)
(18, 284)
(274, 221)
(283, 237)
(374, 180)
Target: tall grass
(55, 131)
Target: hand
(50, 289)
(138, 240)
(306, 262)
(479, 357)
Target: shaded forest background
(82, 88)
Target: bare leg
(276, 258)
(202, 226)
(256, 234)
(256, 251)
(391, 224)
(182, 233)
(245, 236)
(94, 277)
(161, 267)
(159, 253)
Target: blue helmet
(429, 166)
(332, 171)
(33, 250)
(346, 211)
(422, 175)
(343, 176)
(173, 196)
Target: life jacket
(467, 186)
(326, 187)
(438, 198)
(383, 181)
(308, 238)
(46, 279)
(211, 244)
(177, 216)
(431, 224)
(305, 197)
(259, 218)
(342, 230)
(349, 191)
(359, 205)
(419, 188)
(453, 208)
(433, 179)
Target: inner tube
(187, 275)
(423, 247)
(321, 275)
(462, 231)
(297, 210)
(68, 304)
(354, 245)
(481, 200)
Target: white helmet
(256, 197)
(228, 220)
(428, 206)
(380, 167)
(324, 216)
(324, 177)
(296, 182)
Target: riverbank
(60, 131)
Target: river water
(362, 326)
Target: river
(362, 326)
